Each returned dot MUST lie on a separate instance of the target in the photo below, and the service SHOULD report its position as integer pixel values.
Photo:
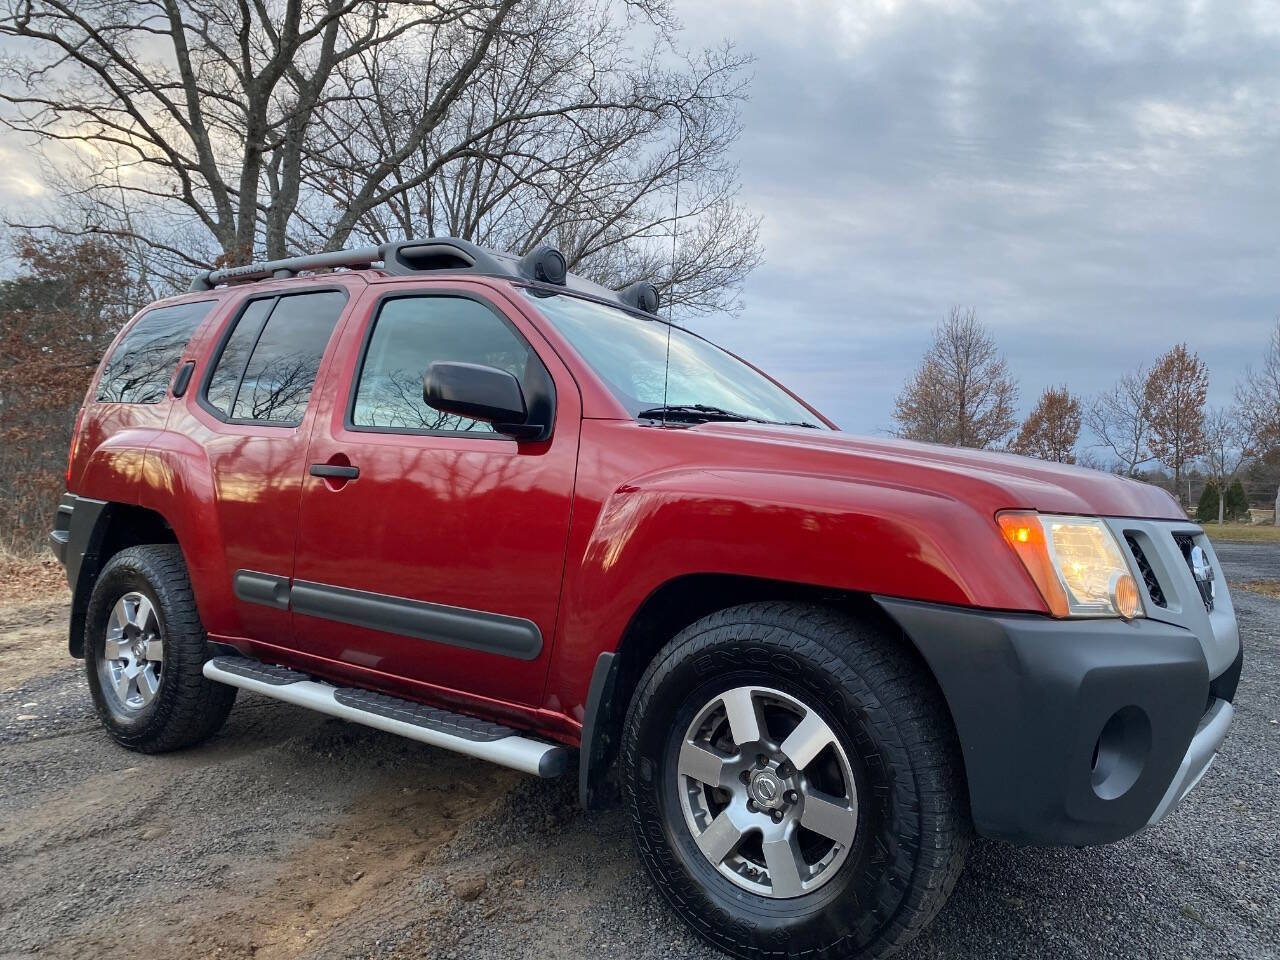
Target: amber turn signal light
(1124, 596)
(1025, 534)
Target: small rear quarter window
(139, 368)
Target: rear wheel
(794, 784)
(145, 650)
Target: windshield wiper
(701, 413)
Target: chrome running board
(430, 725)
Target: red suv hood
(1003, 480)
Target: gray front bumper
(1200, 755)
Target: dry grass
(1268, 588)
(1260, 533)
(24, 579)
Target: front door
(430, 548)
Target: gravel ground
(292, 835)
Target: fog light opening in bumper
(1121, 752)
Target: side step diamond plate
(416, 721)
(469, 728)
(257, 670)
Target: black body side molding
(264, 588)
(480, 630)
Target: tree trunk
(1221, 505)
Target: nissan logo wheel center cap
(766, 789)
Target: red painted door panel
(441, 562)
(241, 476)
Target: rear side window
(140, 367)
(411, 333)
(268, 364)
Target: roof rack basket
(398, 257)
(544, 265)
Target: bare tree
(1176, 389)
(1228, 448)
(208, 100)
(1121, 420)
(220, 130)
(608, 188)
(1052, 428)
(1258, 395)
(1258, 403)
(962, 394)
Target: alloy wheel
(767, 792)
(132, 653)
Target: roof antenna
(675, 223)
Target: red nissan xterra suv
(476, 501)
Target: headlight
(1075, 562)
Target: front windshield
(629, 353)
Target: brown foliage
(1051, 429)
(1176, 390)
(56, 318)
(962, 394)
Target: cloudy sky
(1098, 180)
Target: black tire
(186, 708)
(913, 824)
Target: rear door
(249, 411)
(433, 555)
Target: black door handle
(334, 470)
(183, 379)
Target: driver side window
(411, 333)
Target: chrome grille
(1162, 551)
(1186, 543)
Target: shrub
(1237, 504)
(1207, 508)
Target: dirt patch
(344, 881)
(1268, 588)
(359, 875)
(33, 640)
(288, 835)
(33, 618)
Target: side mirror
(480, 393)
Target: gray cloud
(1097, 180)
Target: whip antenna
(675, 223)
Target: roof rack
(444, 254)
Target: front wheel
(794, 784)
